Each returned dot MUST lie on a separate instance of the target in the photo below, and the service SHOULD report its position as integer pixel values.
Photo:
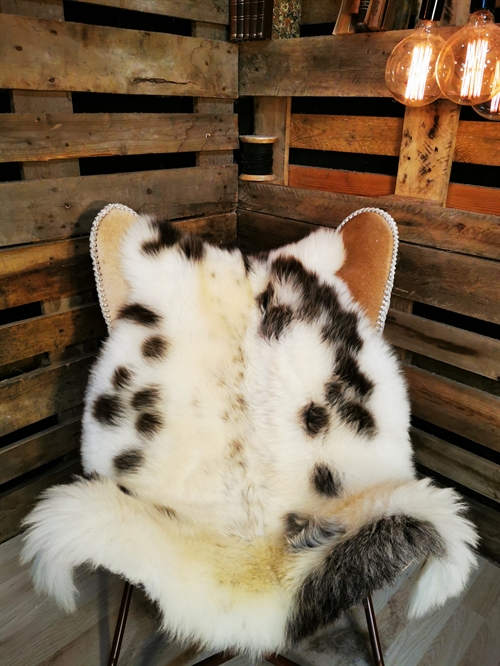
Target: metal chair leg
(371, 621)
(120, 624)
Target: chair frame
(222, 657)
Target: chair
(266, 381)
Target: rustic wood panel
(213, 11)
(59, 208)
(485, 200)
(319, 12)
(426, 155)
(59, 136)
(347, 134)
(476, 143)
(487, 521)
(471, 471)
(468, 285)
(31, 452)
(47, 55)
(462, 349)
(39, 394)
(461, 409)
(16, 504)
(470, 233)
(272, 118)
(50, 332)
(454, 282)
(320, 66)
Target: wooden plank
(59, 208)
(468, 469)
(341, 182)
(461, 409)
(15, 505)
(476, 142)
(205, 105)
(257, 231)
(347, 134)
(426, 155)
(31, 452)
(42, 393)
(47, 55)
(272, 118)
(468, 285)
(469, 233)
(213, 11)
(319, 12)
(462, 349)
(474, 198)
(50, 332)
(487, 521)
(320, 66)
(59, 136)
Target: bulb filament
(417, 77)
(475, 61)
(495, 101)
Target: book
(363, 13)
(260, 19)
(246, 19)
(233, 19)
(347, 16)
(397, 15)
(375, 18)
(241, 19)
(254, 10)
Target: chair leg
(120, 624)
(371, 621)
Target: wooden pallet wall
(445, 313)
(51, 323)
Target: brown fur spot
(155, 347)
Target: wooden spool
(250, 138)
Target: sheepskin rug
(245, 441)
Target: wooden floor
(466, 632)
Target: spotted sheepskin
(246, 443)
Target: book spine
(260, 19)
(254, 12)
(376, 17)
(233, 19)
(364, 9)
(246, 20)
(267, 32)
(241, 19)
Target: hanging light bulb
(491, 108)
(466, 69)
(410, 70)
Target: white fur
(233, 458)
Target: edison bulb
(491, 108)
(466, 67)
(410, 70)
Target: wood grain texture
(461, 409)
(462, 349)
(60, 136)
(42, 393)
(476, 142)
(272, 118)
(16, 504)
(319, 66)
(319, 12)
(472, 198)
(213, 11)
(50, 332)
(427, 148)
(452, 462)
(46, 55)
(31, 452)
(469, 233)
(59, 208)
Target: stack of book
(373, 15)
(250, 19)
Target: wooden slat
(15, 505)
(347, 134)
(213, 11)
(461, 409)
(257, 231)
(462, 349)
(272, 118)
(468, 285)
(468, 469)
(347, 66)
(52, 270)
(469, 233)
(485, 200)
(47, 55)
(477, 143)
(31, 452)
(58, 208)
(319, 12)
(59, 135)
(42, 393)
(487, 521)
(50, 332)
